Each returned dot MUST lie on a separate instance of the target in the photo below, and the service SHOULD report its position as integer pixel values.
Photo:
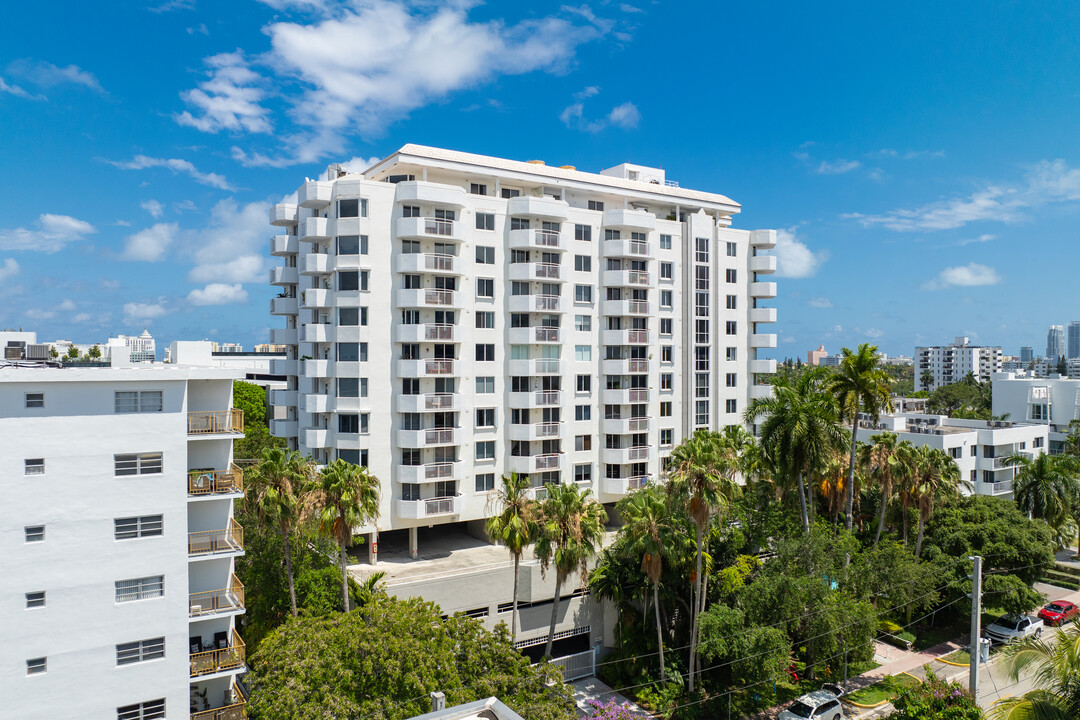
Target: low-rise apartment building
(948, 364)
(1052, 401)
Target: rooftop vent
(537, 162)
(567, 167)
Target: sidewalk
(591, 689)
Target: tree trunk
(554, 614)
(659, 632)
(918, 542)
(905, 525)
(288, 570)
(513, 614)
(344, 580)
(697, 625)
(849, 491)
(694, 610)
(881, 515)
(802, 503)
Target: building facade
(1027, 354)
(452, 318)
(948, 364)
(1055, 344)
(813, 357)
(142, 348)
(1052, 401)
(119, 598)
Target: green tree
(936, 479)
(747, 653)
(343, 496)
(888, 462)
(1041, 487)
(1055, 665)
(860, 386)
(571, 530)
(94, 353)
(926, 380)
(72, 353)
(251, 399)
(514, 526)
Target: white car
(818, 705)
(1010, 628)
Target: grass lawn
(883, 690)
(960, 657)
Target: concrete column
(373, 548)
(414, 550)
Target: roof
(488, 709)
(143, 372)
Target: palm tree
(1056, 666)
(936, 478)
(830, 480)
(860, 385)
(514, 526)
(888, 464)
(571, 530)
(907, 458)
(276, 490)
(1041, 486)
(927, 379)
(799, 430)
(703, 476)
(344, 496)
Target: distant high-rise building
(142, 347)
(813, 357)
(950, 364)
(1074, 339)
(1055, 343)
(1026, 354)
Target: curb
(954, 664)
(883, 702)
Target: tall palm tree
(1056, 666)
(830, 479)
(703, 476)
(887, 463)
(799, 430)
(276, 490)
(514, 526)
(936, 478)
(571, 531)
(344, 496)
(907, 457)
(1041, 486)
(860, 386)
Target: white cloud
(8, 269)
(55, 231)
(906, 155)
(82, 318)
(171, 5)
(630, 8)
(794, 259)
(201, 30)
(874, 333)
(986, 237)
(970, 275)
(229, 100)
(143, 312)
(141, 162)
(218, 294)
(150, 244)
(359, 164)
(153, 207)
(819, 302)
(18, 91)
(625, 115)
(45, 74)
(40, 314)
(231, 248)
(66, 306)
(837, 167)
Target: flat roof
(142, 372)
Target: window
(701, 250)
(348, 387)
(136, 527)
(1039, 412)
(666, 381)
(701, 412)
(596, 205)
(612, 235)
(485, 417)
(477, 189)
(517, 223)
(35, 400)
(730, 275)
(355, 207)
(583, 323)
(485, 255)
(583, 263)
(140, 651)
(149, 710)
(142, 588)
(732, 327)
(1037, 442)
(139, 401)
(485, 221)
(667, 353)
(34, 466)
(665, 326)
(410, 492)
(508, 193)
(583, 442)
(350, 280)
(485, 385)
(485, 482)
(665, 242)
(583, 473)
(584, 383)
(731, 380)
(974, 450)
(35, 666)
(665, 298)
(34, 533)
(349, 317)
(730, 406)
(485, 450)
(352, 352)
(352, 245)
(667, 436)
(583, 293)
(485, 287)
(583, 353)
(583, 232)
(410, 211)
(666, 270)
(732, 354)
(955, 452)
(731, 249)
(348, 423)
(485, 319)
(35, 599)
(137, 464)
(583, 412)
(354, 457)
(731, 302)
(485, 353)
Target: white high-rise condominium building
(948, 364)
(118, 597)
(453, 317)
(1055, 343)
(142, 347)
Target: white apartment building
(1051, 401)
(118, 598)
(950, 364)
(142, 347)
(979, 447)
(452, 317)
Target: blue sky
(920, 159)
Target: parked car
(1059, 612)
(1010, 628)
(818, 705)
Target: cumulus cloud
(819, 302)
(149, 245)
(359, 164)
(218, 294)
(970, 275)
(229, 100)
(45, 74)
(52, 234)
(231, 248)
(794, 259)
(8, 269)
(177, 165)
(135, 312)
(153, 207)
(625, 115)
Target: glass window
(665, 408)
(149, 710)
(731, 249)
(583, 232)
(731, 380)
(485, 417)
(583, 323)
(485, 352)
(485, 385)
(140, 651)
(485, 287)
(730, 406)
(731, 327)
(348, 352)
(34, 466)
(485, 221)
(348, 423)
(485, 255)
(731, 302)
(583, 263)
(732, 354)
(34, 533)
(666, 270)
(485, 482)
(665, 242)
(36, 666)
(138, 464)
(666, 380)
(35, 400)
(348, 280)
(348, 387)
(485, 319)
(665, 326)
(596, 205)
(129, 528)
(667, 436)
(730, 275)
(355, 207)
(352, 245)
(665, 298)
(485, 450)
(667, 353)
(583, 473)
(583, 412)
(583, 353)
(584, 383)
(137, 401)
(143, 588)
(583, 442)
(410, 211)
(35, 599)
(477, 189)
(583, 293)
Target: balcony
(627, 396)
(283, 276)
(425, 368)
(437, 264)
(635, 220)
(760, 391)
(538, 493)
(763, 340)
(281, 245)
(283, 336)
(317, 333)
(283, 428)
(317, 404)
(626, 278)
(431, 437)
(431, 402)
(437, 228)
(315, 437)
(623, 486)
(314, 194)
(432, 507)
(762, 367)
(427, 332)
(534, 303)
(430, 297)
(764, 264)
(628, 366)
(624, 337)
(317, 368)
(283, 398)
(536, 272)
(314, 229)
(535, 334)
(537, 399)
(283, 215)
(214, 602)
(535, 431)
(230, 657)
(626, 307)
(316, 264)
(429, 472)
(528, 464)
(763, 238)
(622, 456)
(763, 289)
(283, 306)
(317, 298)
(216, 542)
(419, 191)
(536, 240)
(538, 366)
(541, 207)
(763, 315)
(235, 708)
(216, 422)
(625, 426)
(202, 483)
(995, 488)
(282, 366)
(627, 249)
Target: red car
(1059, 612)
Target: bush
(936, 699)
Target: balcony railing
(439, 436)
(439, 506)
(547, 270)
(210, 542)
(637, 424)
(546, 397)
(546, 366)
(547, 462)
(216, 482)
(436, 471)
(219, 660)
(209, 422)
(435, 296)
(211, 602)
(439, 262)
(235, 710)
(636, 483)
(438, 401)
(438, 332)
(547, 238)
(438, 226)
(547, 302)
(547, 334)
(548, 429)
(439, 367)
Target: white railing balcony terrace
(315, 194)
(283, 215)
(533, 239)
(282, 245)
(538, 366)
(429, 193)
(540, 207)
(438, 228)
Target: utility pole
(976, 624)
